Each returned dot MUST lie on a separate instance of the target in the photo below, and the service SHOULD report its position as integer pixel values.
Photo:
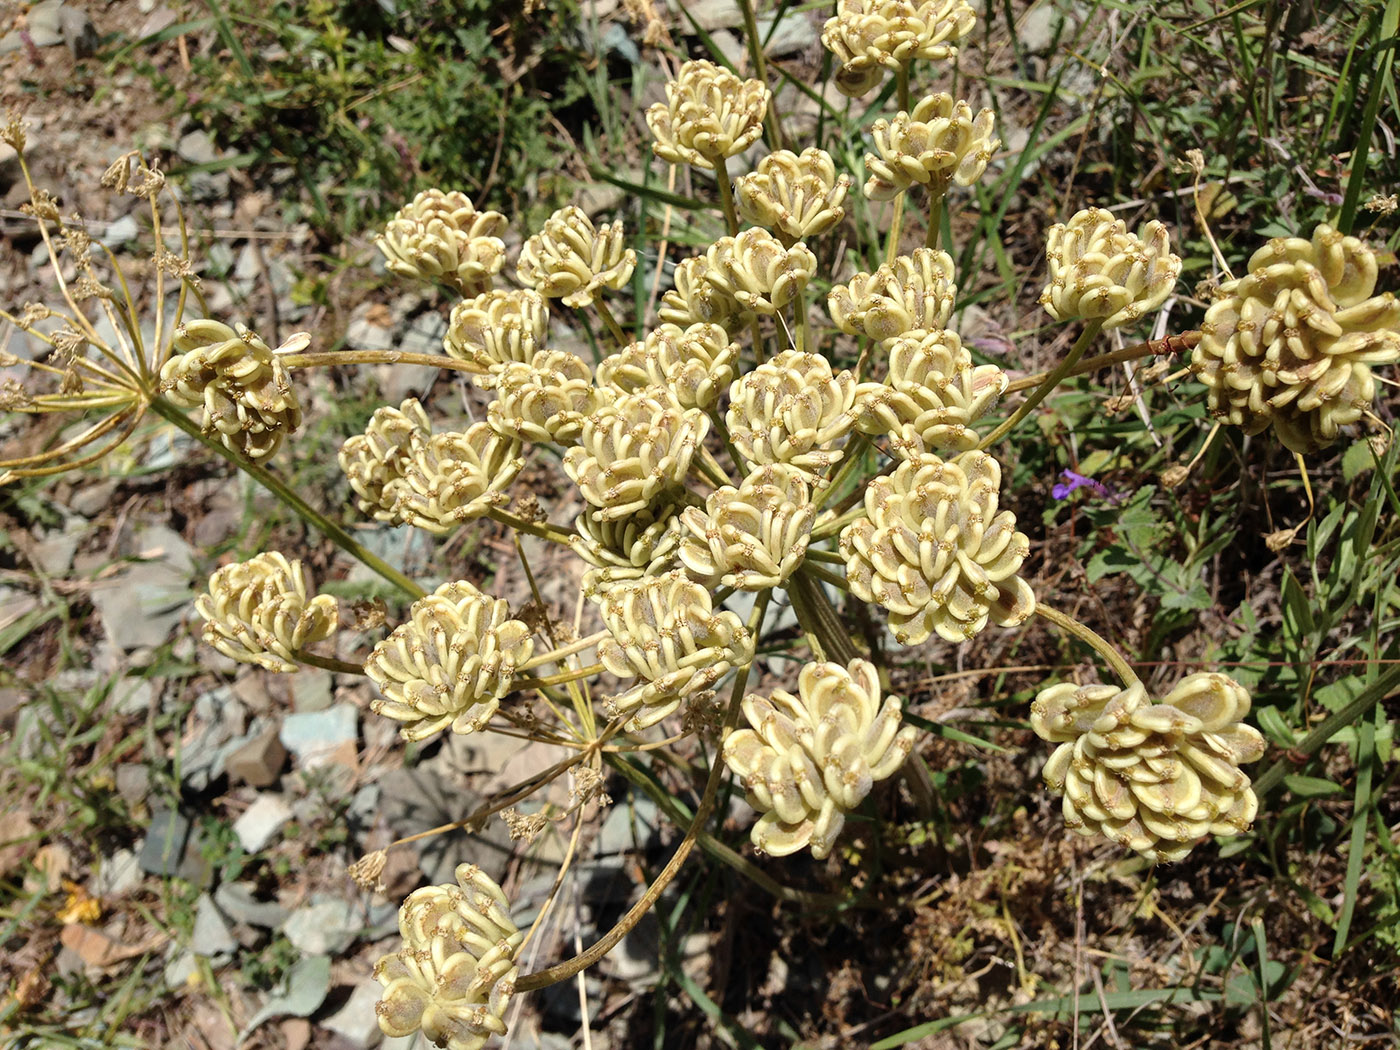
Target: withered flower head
(633, 448)
(760, 273)
(934, 550)
(939, 143)
(569, 259)
(810, 759)
(916, 294)
(709, 114)
(794, 196)
(753, 537)
(931, 396)
(1100, 270)
(244, 388)
(455, 974)
(450, 664)
(442, 237)
(1153, 777)
(665, 632)
(870, 36)
(259, 612)
(697, 363)
(792, 409)
(1292, 343)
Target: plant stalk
(1072, 626)
(1091, 331)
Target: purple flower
(1075, 481)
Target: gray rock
(311, 690)
(240, 903)
(211, 937)
(133, 782)
(796, 32)
(628, 827)
(197, 147)
(116, 875)
(314, 737)
(428, 795)
(91, 500)
(134, 696)
(123, 231)
(363, 334)
(326, 926)
(78, 32)
(714, 14)
(55, 551)
(258, 760)
(178, 971)
(166, 841)
(356, 1021)
(261, 822)
(45, 23)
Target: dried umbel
(792, 409)
(1155, 777)
(915, 294)
(795, 196)
(1292, 343)
(810, 759)
(870, 36)
(442, 237)
(544, 401)
(259, 612)
(244, 388)
(709, 114)
(1098, 270)
(758, 272)
(626, 548)
(455, 973)
(450, 664)
(697, 363)
(939, 143)
(666, 632)
(695, 299)
(931, 396)
(633, 448)
(753, 537)
(934, 550)
(569, 259)
(403, 472)
(498, 328)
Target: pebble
(356, 1021)
(261, 822)
(211, 937)
(197, 147)
(326, 926)
(165, 844)
(319, 738)
(133, 782)
(257, 761)
(117, 875)
(123, 231)
(239, 901)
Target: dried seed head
(914, 295)
(544, 401)
(244, 388)
(697, 364)
(753, 537)
(665, 632)
(450, 664)
(403, 472)
(758, 272)
(633, 449)
(442, 237)
(258, 612)
(13, 132)
(939, 143)
(934, 550)
(810, 759)
(792, 409)
(709, 114)
(794, 196)
(572, 260)
(870, 36)
(496, 329)
(1292, 343)
(931, 397)
(1100, 270)
(455, 974)
(1154, 777)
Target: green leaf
(1297, 610)
(1357, 460)
(1196, 596)
(1311, 787)
(1336, 695)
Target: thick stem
(826, 625)
(562, 678)
(554, 656)
(1174, 344)
(1090, 333)
(726, 194)
(760, 72)
(1072, 626)
(328, 663)
(936, 197)
(608, 319)
(563, 971)
(543, 530)
(299, 506)
(377, 357)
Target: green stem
(1368, 698)
(303, 510)
(760, 72)
(726, 194)
(1091, 331)
(554, 656)
(850, 462)
(544, 531)
(830, 528)
(328, 663)
(896, 229)
(1172, 345)
(377, 357)
(608, 319)
(936, 198)
(1072, 626)
(826, 625)
(562, 678)
(722, 429)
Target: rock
(55, 551)
(713, 14)
(318, 738)
(370, 328)
(796, 32)
(197, 147)
(78, 32)
(123, 231)
(166, 842)
(258, 761)
(326, 926)
(302, 992)
(45, 23)
(211, 937)
(141, 606)
(117, 875)
(133, 782)
(261, 822)
(90, 500)
(628, 827)
(180, 970)
(239, 901)
(311, 690)
(356, 1021)
(134, 696)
